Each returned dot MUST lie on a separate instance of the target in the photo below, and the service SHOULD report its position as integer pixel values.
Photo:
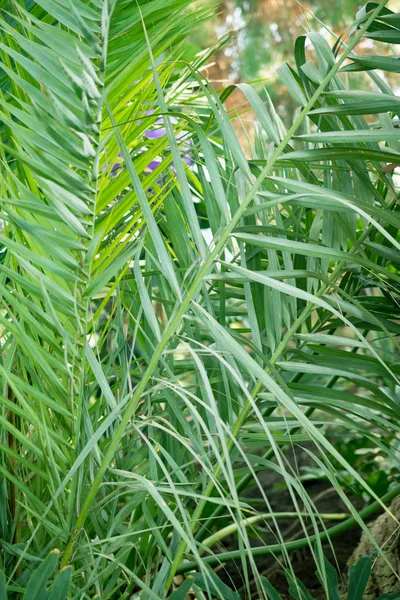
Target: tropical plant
(359, 576)
(174, 326)
(38, 587)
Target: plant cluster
(186, 327)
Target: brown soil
(385, 530)
(326, 501)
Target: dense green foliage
(38, 587)
(180, 321)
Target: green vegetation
(187, 330)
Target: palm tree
(148, 375)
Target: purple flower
(116, 166)
(155, 134)
(187, 159)
(152, 166)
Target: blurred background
(263, 33)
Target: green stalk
(266, 456)
(83, 334)
(233, 527)
(224, 557)
(12, 444)
(242, 482)
(289, 334)
(183, 306)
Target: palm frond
(178, 317)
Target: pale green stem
(264, 173)
(274, 549)
(182, 308)
(233, 527)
